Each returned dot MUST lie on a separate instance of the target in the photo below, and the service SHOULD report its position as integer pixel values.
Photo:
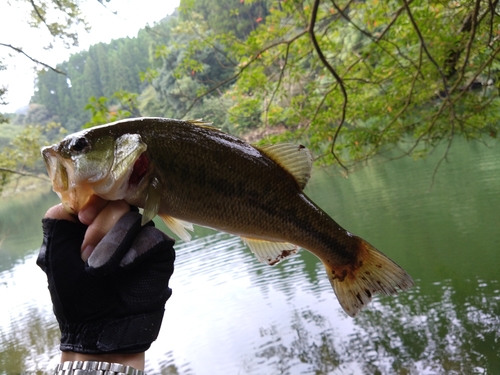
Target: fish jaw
(73, 193)
(104, 170)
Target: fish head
(88, 163)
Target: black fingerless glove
(114, 303)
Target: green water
(230, 314)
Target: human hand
(98, 214)
(114, 301)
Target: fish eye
(79, 144)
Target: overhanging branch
(19, 50)
(24, 174)
(339, 80)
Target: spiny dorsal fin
(178, 227)
(296, 160)
(203, 124)
(270, 252)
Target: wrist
(135, 360)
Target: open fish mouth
(58, 173)
(77, 173)
(62, 174)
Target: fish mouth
(62, 174)
(57, 172)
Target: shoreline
(23, 185)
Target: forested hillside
(164, 69)
(99, 72)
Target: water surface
(230, 314)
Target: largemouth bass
(189, 172)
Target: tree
(22, 156)
(102, 111)
(3, 90)
(101, 71)
(353, 79)
(61, 18)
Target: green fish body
(188, 172)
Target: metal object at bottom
(95, 368)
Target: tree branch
(468, 48)
(369, 35)
(314, 14)
(403, 109)
(24, 174)
(242, 69)
(424, 46)
(447, 98)
(19, 50)
(278, 84)
(40, 17)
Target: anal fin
(270, 252)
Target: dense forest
(101, 71)
(146, 76)
(350, 80)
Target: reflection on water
(231, 315)
(28, 331)
(438, 333)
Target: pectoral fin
(153, 198)
(270, 252)
(178, 227)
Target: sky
(131, 15)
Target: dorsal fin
(203, 124)
(295, 159)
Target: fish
(190, 172)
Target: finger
(102, 224)
(59, 212)
(91, 210)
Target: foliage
(181, 71)
(103, 112)
(59, 17)
(238, 18)
(354, 79)
(348, 79)
(22, 155)
(101, 71)
(8, 132)
(3, 90)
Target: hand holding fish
(112, 305)
(98, 214)
(188, 172)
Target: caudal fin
(376, 274)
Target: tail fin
(376, 274)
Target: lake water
(230, 314)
